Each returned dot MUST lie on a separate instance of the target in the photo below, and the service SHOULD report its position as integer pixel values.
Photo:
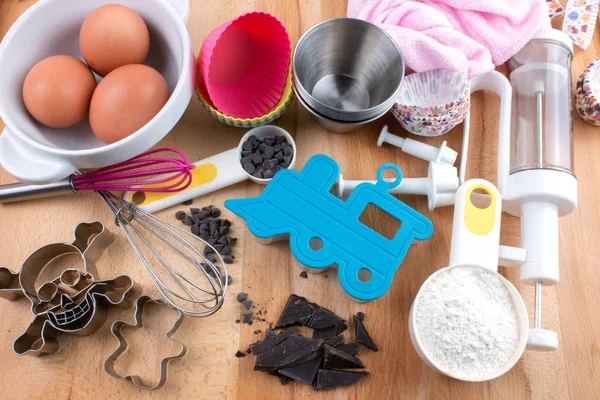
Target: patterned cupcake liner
(586, 102)
(433, 102)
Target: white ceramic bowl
(37, 154)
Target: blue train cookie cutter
(300, 206)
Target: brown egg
(125, 100)
(57, 91)
(112, 36)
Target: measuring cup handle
(476, 226)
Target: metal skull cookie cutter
(74, 302)
(117, 327)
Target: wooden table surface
(269, 274)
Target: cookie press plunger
(535, 161)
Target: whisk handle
(15, 192)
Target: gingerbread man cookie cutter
(117, 327)
(74, 302)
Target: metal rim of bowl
(302, 101)
(336, 113)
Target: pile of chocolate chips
(262, 158)
(206, 224)
(322, 361)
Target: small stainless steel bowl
(347, 69)
(333, 125)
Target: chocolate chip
(204, 236)
(287, 160)
(247, 316)
(223, 240)
(188, 221)
(242, 296)
(223, 229)
(203, 214)
(194, 211)
(288, 150)
(227, 280)
(212, 241)
(215, 212)
(246, 153)
(269, 152)
(237, 321)
(246, 160)
(279, 156)
(303, 274)
(214, 226)
(226, 251)
(188, 202)
(269, 140)
(196, 230)
(262, 147)
(247, 145)
(256, 332)
(284, 165)
(258, 174)
(204, 227)
(228, 260)
(180, 215)
(269, 164)
(219, 247)
(249, 168)
(239, 354)
(277, 148)
(225, 222)
(257, 158)
(208, 250)
(280, 139)
(207, 208)
(247, 304)
(217, 235)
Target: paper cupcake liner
(432, 103)
(276, 112)
(244, 65)
(586, 101)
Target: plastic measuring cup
(475, 244)
(211, 174)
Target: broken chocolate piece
(323, 318)
(304, 372)
(303, 274)
(341, 328)
(239, 354)
(362, 336)
(335, 341)
(293, 351)
(247, 304)
(337, 359)
(283, 379)
(271, 341)
(350, 348)
(331, 379)
(325, 333)
(297, 311)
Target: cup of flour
(467, 321)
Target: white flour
(467, 323)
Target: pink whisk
(117, 177)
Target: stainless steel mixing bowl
(347, 69)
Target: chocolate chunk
(252, 139)
(247, 304)
(258, 174)
(239, 354)
(268, 174)
(269, 164)
(269, 140)
(246, 153)
(337, 359)
(335, 341)
(268, 152)
(284, 165)
(242, 296)
(246, 160)
(188, 202)
(287, 160)
(257, 158)
(362, 336)
(180, 215)
(262, 147)
(188, 221)
(304, 275)
(350, 348)
(279, 156)
(215, 212)
(304, 372)
(360, 315)
(226, 250)
(288, 150)
(323, 318)
(280, 139)
(277, 148)
(194, 211)
(247, 316)
(271, 341)
(341, 328)
(331, 379)
(249, 168)
(289, 353)
(325, 333)
(297, 311)
(247, 145)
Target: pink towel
(468, 36)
